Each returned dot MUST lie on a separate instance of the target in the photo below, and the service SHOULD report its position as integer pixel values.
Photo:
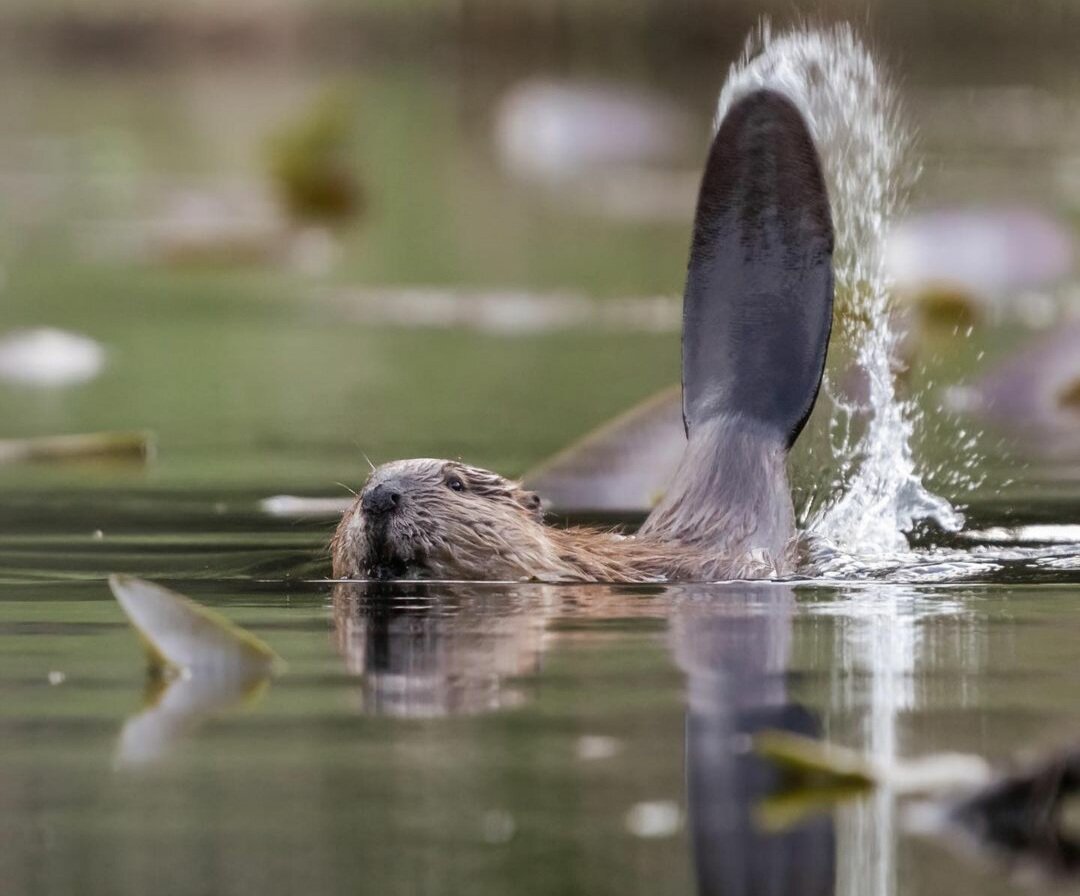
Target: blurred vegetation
(148, 29)
(256, 377)
(311, 162)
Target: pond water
(484, 738)
(469, 738)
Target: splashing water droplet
(853, 114)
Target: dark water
(463, 739)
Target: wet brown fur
(494, 530)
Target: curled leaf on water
(137, 447)
(182, 636)
(625, 465)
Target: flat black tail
(759, 290)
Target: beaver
(757, 314)
(444, 519)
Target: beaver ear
(532, 503)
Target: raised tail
(757, 312)
(758, 304)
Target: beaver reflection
(427, 651)
(733, 644)
(436, 650)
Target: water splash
(853, 113)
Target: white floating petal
(49, 357)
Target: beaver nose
(380, 499)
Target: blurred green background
(228, 198)
(299, 232)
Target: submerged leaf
(181, 635)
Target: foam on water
(853, 113)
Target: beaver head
(440, 519)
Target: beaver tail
(757, 312)
(758, 304)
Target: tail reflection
(734, 644)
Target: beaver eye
(455, 484)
